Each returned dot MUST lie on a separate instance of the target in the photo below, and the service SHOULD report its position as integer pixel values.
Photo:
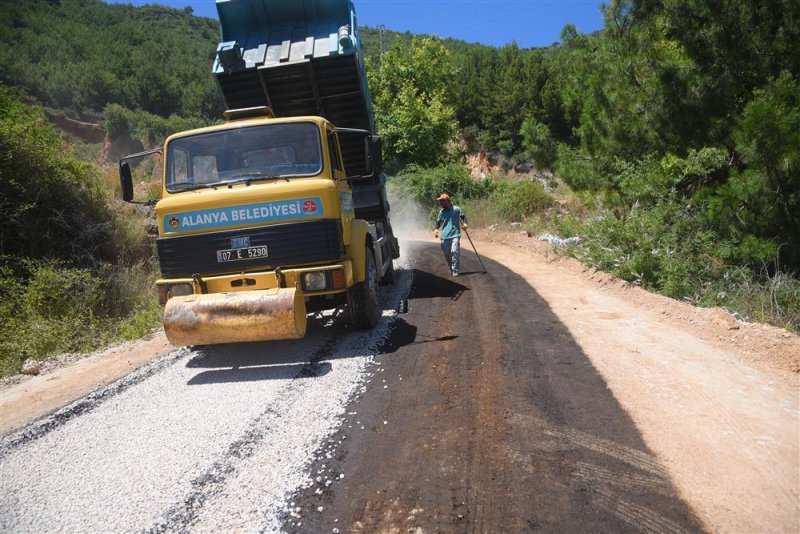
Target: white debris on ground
(559, 242)
(217, 440)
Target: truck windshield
(242, 155)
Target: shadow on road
(470, 273)
(405, 334)
(255, 374)
(273, 360)
(499, 419)
(431, 286)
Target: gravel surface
(210, 439)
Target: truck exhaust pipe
(235, 317)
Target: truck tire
(388, 276)
(363, 299)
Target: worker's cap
(443, 196)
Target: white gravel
(209, 444)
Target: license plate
(238, 254)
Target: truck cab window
(332, 147)
(180, 166)
(307, 152)
(243, 154)
(204, 168)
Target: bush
(520, 200)
(668, 248)
(74, 274)
(425, 184)
(485, 201)
(125, 125)
(47, 308)
(50, 203)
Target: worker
(449, 223)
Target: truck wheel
(363, 299)
(388, 276)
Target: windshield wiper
(249, 177)
(187, 187)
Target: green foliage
(537, 142)
(48, 307)
(663, 248)
(59, 290)
(670, 250)
(409, 87)
(580, 171)
(84, 54)
(149, 129)
(491, 201)
(520, 200)
(498, 88)
(50, 203)
(767, 194)
(714, 246)
(425, 184)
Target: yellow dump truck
(280, 211)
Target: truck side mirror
(373, 155)
(126, 181)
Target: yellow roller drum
(234, 317)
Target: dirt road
(529, 398)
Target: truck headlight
(315, 281)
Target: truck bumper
(232, 317)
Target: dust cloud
(409, 217)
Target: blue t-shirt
(449, 220)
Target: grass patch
(50, 308)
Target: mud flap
(264, 315)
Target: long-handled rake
(476, 251)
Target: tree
(537, 142)
(767, 193)
(411, 87)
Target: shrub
(149, 129)
(74, 274)
(47, 308)
(520, 200)
(50, 203)
(424, 184)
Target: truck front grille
(287, 244)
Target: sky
(492, 22)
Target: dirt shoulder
(63, 380)
(765, 346)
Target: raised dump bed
(299, 57)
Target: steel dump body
(302, 58)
